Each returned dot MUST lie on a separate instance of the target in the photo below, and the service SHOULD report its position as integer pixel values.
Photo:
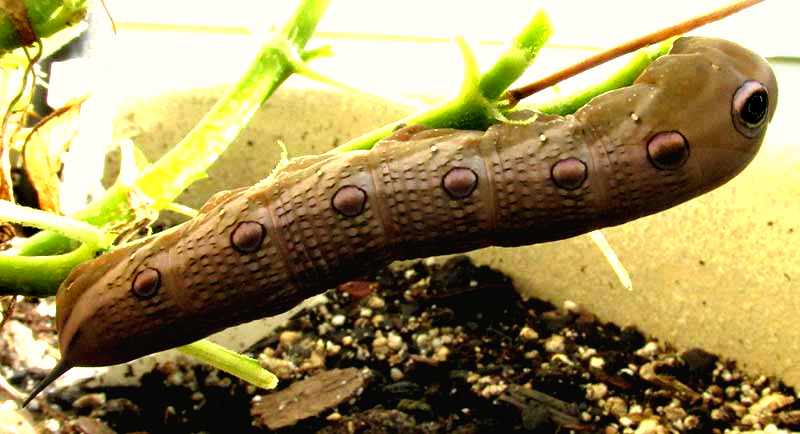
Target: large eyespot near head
(146, 283)
(668, 150)
(349, 201)
(750, 108)
(248, 236)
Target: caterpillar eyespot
(247, 236)
(349, 201)
(750, 108)
(569, 174)
(668, 150)
(146, 283)
(459, 182)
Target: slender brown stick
(515, 95)
(7, 310)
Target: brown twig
(6, 387)
(7, 310)
(515, 95)
(5, 164)
(110, 18)
(17, 14)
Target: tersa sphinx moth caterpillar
(692, 120)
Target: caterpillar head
(690, 122)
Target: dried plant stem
(7, 309)
(515, 95)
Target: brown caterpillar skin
(691, 121)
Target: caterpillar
(689, 123)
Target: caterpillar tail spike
(60, 369)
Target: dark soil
(446, 348)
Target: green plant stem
(113, 208)
(623, 77)
(222, 358)
(446, 113)
(277, 60)
(519, 55)
(477, 109)
(72, 228)
(475, 105)
(39, 276)
(46, 18)
(163, 181)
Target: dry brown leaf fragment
(307, 398)
(12, 124)
(7, 233)
(43, 148)
(17, 13)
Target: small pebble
(396, 374)
(89, 401)
(283, 369)
(338, 320)
(528, 334)
(691, 422)
(597, 363)
(394, 341)
(616, 407)
(570, 306)
(649, 426)
(724, 414)
(325, 328)
(649, 350)
(674, 412)
(554, 344)
(52, 425)
(380, 347)
(377, 320)
(332, 349)
(376, 302)
(596, 391)
(441, 354)
(288, 337)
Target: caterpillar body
(689, 123)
